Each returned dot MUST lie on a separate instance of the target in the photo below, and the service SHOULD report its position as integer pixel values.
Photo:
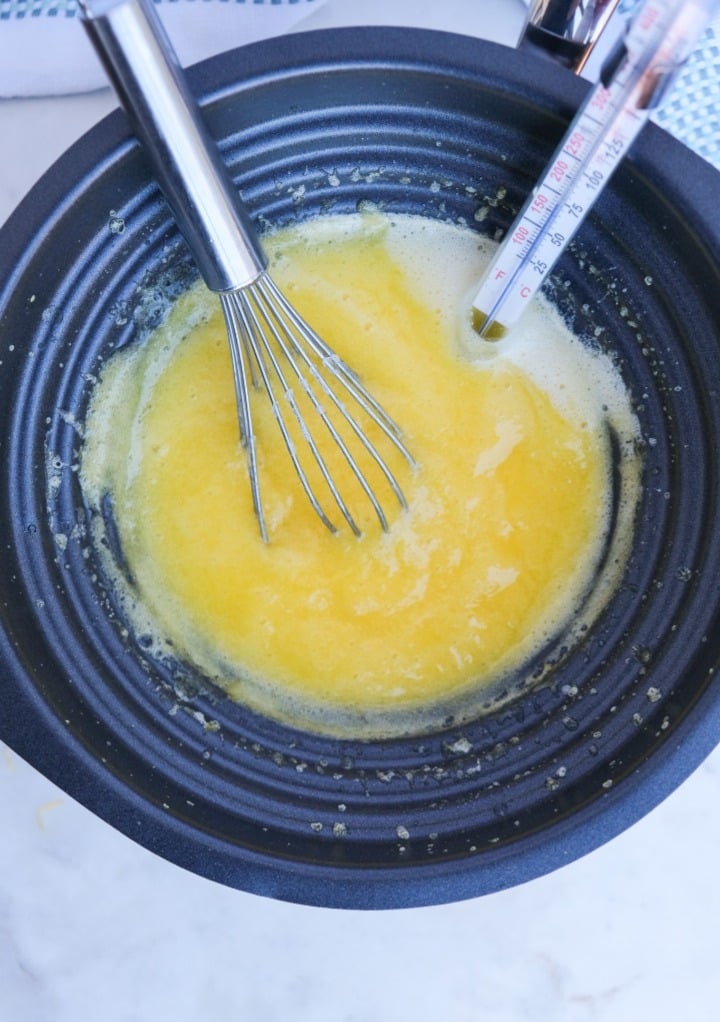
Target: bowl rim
(30, 726)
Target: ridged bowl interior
(406, 121)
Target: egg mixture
(509, 504)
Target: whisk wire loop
(336, 369)
(246, 359)
(271, 346)
(260, 324)
(240, 359)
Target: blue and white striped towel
(691, 110)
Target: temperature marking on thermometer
(633, 81)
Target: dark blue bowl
(615, 725)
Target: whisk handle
(144, 70)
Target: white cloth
(44, 50)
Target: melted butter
(509, 507)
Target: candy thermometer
(633, 82)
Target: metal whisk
(271, 346)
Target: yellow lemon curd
(508, 507)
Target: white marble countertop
(92, 926)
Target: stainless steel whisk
(271, 346)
